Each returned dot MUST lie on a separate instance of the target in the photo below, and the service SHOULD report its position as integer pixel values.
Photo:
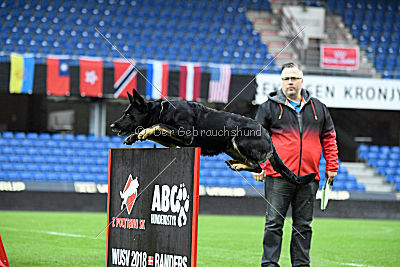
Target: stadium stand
(56, 158)
(385, 159)
(196, 31)
(202, 32)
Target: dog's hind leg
(237, 165)
(246, 151)
(242, 158)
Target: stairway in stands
(268, 24)
(368, 175)
(379, 167)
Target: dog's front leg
(156, 130)
(131, 139)
(177, 136)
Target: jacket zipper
(299, 119)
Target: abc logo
(174, 199)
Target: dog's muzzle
(113, 128)
(119, 132)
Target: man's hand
(259, 176)
(330, 175)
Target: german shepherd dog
(190, 124)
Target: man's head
(292, 81)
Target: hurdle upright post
(152, 207)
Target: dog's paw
(236, 165)
(131, 139)
(239, 166)
(231, 162)
(143, 135)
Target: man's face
(291, 84)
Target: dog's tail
(281, 168)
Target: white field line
(44, 232)
(64, 234)
(349, 264)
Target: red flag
(125, 78)
(190, 82)
(91, 77)
(58, 80)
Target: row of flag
(125, 78)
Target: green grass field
(67, 239)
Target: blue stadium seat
(341, 177)
(31, 135)
(105, 138)
(394, 179)
(69, 137)
(6, 150)
(381, 163)
(20, 135)
(391, 178)
(384, 149)
(395, 149)
(338, 186)
(373, 155)
(13, 142)
(351, 178)
(393, 163)
(57, 136)
(360, 187)
(44, 136)
(397, 187)
(351, 186)
(81, 137)
(205, 172)
(374, 148)
(8, 135)
(101, 161)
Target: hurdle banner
(3, 257)
(152, 207)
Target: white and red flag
(91, 77)
(190, 82)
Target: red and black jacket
(299, 138)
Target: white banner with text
(339, 92)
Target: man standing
(300, 126)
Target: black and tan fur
(190, 124)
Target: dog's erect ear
(137, 99)
(130, 97)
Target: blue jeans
(280, 193)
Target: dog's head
(134, 116)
